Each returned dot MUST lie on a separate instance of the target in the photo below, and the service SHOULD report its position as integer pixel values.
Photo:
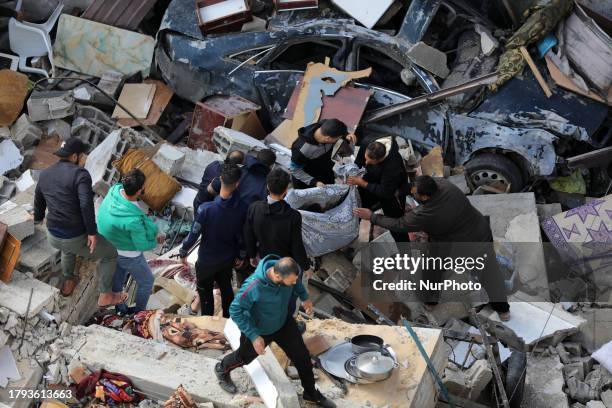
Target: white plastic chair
(32, 40)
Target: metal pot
(366, 342)
(374, 366)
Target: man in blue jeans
(127, 227)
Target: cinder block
(37, 256)
(49, 105)
(226, 140)
(25, 133)
(169, 159)
(20, 223)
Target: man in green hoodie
(127, 227)
(260, 309)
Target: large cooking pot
(366, 342)
(374, 366)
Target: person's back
(210, 184)
(253, 181)
(272, 226)
(66, 188)
(450, 217)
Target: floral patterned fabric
(335, 226)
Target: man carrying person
(64, 191)
(220, 223)
(385, 183)
(260, 310)
(127, 227)
(311, 153)
(447, 216)
(206, 190)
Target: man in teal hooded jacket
(260, 310)
(127, 227)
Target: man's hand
(319, 184)
(238, 263)
(259, 345)
(356, 181)
(161, 238)
(307, 304)
(363, 213)
(254, 262)
(185, 262)
(92, 240)
(351, 138)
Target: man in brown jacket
(447, 216)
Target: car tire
(488, 168)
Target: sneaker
(301, 326)
(225, 380)
(319, 399)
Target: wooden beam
(536, 72)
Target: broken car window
(297, 56)
(254, 55)
(385, 70)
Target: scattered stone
(575, 370)
(57, 127)
(544, 382)
(580, 391)
(25, 133)
(606, 398)
(20, 223)
(595, 404)
(563, 354)
(574, 348)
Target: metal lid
(373, 363)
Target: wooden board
(163, 94)
(137, 98)
(8, 257)
(433, 164)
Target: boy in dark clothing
(220, 223)
(273, 227)
(385, 182)
(260, 312)
(311, 153)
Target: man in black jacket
(311, 153)
(210, 184)
(273, 227)
(64, 191)
(447, 216)
(385, 183)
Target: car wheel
(494, 170)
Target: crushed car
(509, 137)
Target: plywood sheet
(163, 95)
(137, 98)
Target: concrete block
(595, 404)
(514, 220)
(575, 370)
(57, 127)
(16, 294)
(340, 270)
(169, 159)
(156, 369)
(195, 163)
(533, 320)
(469, 383)
(226, 139)
(91, 125)
(24, 132)
(606, 398)
(31, 376)
(597, 330)
(544, 383)
(20, 223)
(49, 105)
(37, 256)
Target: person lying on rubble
(385, 183)
(64, 191)
(447, 216)
(220, 223)
(311, 153)
(127, 227)
(206, 190)
(260, 310)
(273, 227)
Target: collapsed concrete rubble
(509, 101)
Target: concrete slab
(514, 221)
(169, 159)
(37, 256)
(410, 385)
(98, 159)
(533, 320)
(195, 164)
(544, 383)
(20, 223)
(30, 378)
(24, 132)
(156, 369)
(16, 293)
(83, 303)
(10, 156)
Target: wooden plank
(163, 94)
(536, 72)
(8, 257)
